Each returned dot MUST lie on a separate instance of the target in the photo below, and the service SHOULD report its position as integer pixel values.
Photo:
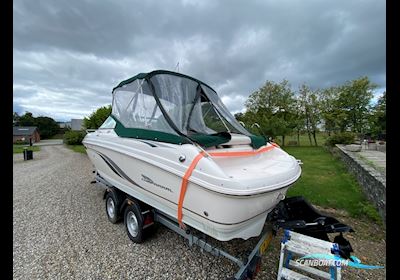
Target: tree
(97, 118)
(27, 119)
(330, 112)
(15, 118)
(47, 126)
(299, 119)
(311, 109)
(346, 107)
(378, 116)
(354, 101)
(239, 116)
(278, 112)
(273, 108)
(314, 113)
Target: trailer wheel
(112, 207)
(133, 219)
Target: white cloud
(69, 55)
(234, 103)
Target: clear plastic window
(135, 107)
(226, 117)
(177, 95)
(108, 123)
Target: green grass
(17, 149)
(326, 182)
(57, 136)
(77, 148)
(304, 140)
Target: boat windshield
(180, 104)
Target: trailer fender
(120, 196)
(106, 192)
(127, 201)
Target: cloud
(68, 55)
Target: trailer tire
(113, 204)
(133, 220)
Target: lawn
(326, 182)
(57, 136)
(77, 148)
(17, 149)
(304, 140)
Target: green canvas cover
(203, 140)
(257, 141)
(147, 134)
(175, 108)
(210, 140)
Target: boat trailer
(294, 214)
(248, 267)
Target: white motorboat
(171, 143)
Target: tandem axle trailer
(292, 213)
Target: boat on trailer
(171, 153)
(171, 143)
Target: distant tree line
(276, 110)
(47, 126)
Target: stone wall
(372, 181)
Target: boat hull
(220, 215)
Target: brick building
(25, 133)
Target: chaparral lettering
(150, 181)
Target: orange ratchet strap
(243, 154)
(184, 184)
(192, 166)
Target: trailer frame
(248, 266)
(293, 213)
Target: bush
(21, 142)
(368, 210)
(74, 137)
(340, 138)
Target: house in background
(77, 124)
(26, 134)
(64, 124)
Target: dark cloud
(68, 55)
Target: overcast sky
(68, 55)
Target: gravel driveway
(61, 231)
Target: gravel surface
(61, 231)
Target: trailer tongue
(297, 214)
(294, 214)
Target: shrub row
(340, 138)
(74, 137)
